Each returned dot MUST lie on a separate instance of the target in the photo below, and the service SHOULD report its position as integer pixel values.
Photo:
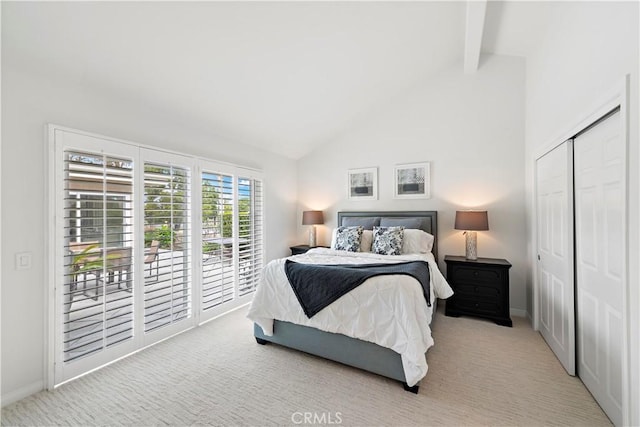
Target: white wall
(471, 129)
(29, 101)
(589, 48)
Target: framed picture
(363, 184)
(412, 181)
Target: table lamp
(312, 218)
(471, 221)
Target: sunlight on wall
(478, 196)
(316, 202)
(474, 196)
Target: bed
(361, 328)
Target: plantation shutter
(97, 299)
(167, 213)
(250, 234)
(217, 239)
(121, 246)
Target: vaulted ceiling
(285, 76)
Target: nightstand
(480, 288)
(300, 249)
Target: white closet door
(600, 253)
(555, 252)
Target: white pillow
(365, 242)
(416, 241)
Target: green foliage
(166, 206)
(87, 260)
(149, 236)
(244, 217)
(209, 248)
(162, 234)
(164, 199)
(90, 259)
(210, 199)
(227, 221)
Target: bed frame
(341, 348)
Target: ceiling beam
(476, 10)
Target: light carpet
(479, 374)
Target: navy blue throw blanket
(318, 285)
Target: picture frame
(412, 181)
(362, 184)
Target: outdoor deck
(100, 312)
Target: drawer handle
(476, 305)
(475, 289)
(476, 273)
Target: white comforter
(387, 310)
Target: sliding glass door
(232, 255)
(98, 210)
(94, 286)
(250, 233)
(218, 239)
(167, 242)
(128, 271)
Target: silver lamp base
(471, 245)
(312, 236)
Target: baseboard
(518, 312)
(21, 393)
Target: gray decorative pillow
(387, 240)
(348, 238)
(412, 222)
(365, 222)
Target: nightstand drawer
(477, 275)
(476, 290)
(491, 308)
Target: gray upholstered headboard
(423, 220)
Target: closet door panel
(600, 186)
(555, 252)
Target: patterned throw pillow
(387, 240)
(348, 238)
